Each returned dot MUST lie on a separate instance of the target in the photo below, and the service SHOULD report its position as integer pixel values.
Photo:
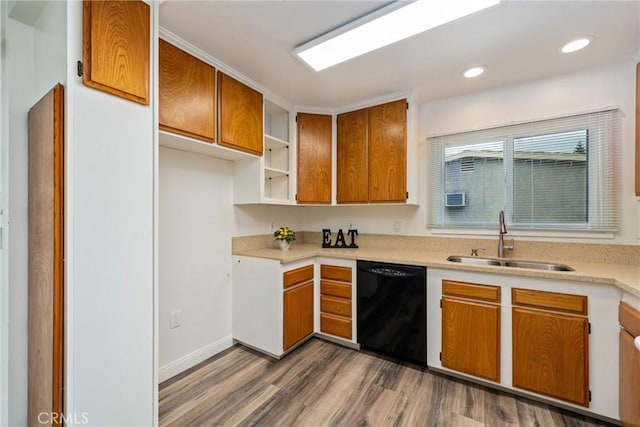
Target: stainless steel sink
(536, 265)
(474, 260)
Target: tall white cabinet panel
(111, 154)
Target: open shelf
(268, 179)
(276, 121)
(192, 145)
(275, 173)
(276, 187)
(273, 143)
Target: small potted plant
(284, 236)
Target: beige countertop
(625, 277)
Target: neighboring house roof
(573, 157)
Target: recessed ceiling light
(474, 71)
(576, 45)
(384, 27)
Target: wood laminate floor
(322, 383)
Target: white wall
(110, 333)
(195, 211)
(264, 219)
(35, 62)
(4, 265)
(573, 93)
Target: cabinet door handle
(636, 342)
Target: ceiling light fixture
(384, 27)
(576, 45)
(474, 71)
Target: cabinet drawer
(471, 290)
(629, 318)
(299, 275)
(334, 272)
(335, 325)
(335, 289)
(568, 303)
(333, 305)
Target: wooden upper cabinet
(372, 154)
(314, 158)
(187, 94)
(116, 48)
(388, 152)
(352, 174)
(240, 116)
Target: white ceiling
(516, 40)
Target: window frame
(602, 127)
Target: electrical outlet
(396, 226)
(175, 320)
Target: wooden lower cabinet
(629, 366)
(339, 306)
(336, 325)
(471, 328)
(298, 314)
(551, 354)
(335, 301)
(272, 304)
(335, 272)
(471, 338)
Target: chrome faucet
(503, 231)
(474, 251)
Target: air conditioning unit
(454, 200)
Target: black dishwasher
(392, 310)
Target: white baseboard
(185, 362)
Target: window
(551, 174)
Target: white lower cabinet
(272, 303)
(599, 354)
(277, 306)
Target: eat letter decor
(340, 241)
